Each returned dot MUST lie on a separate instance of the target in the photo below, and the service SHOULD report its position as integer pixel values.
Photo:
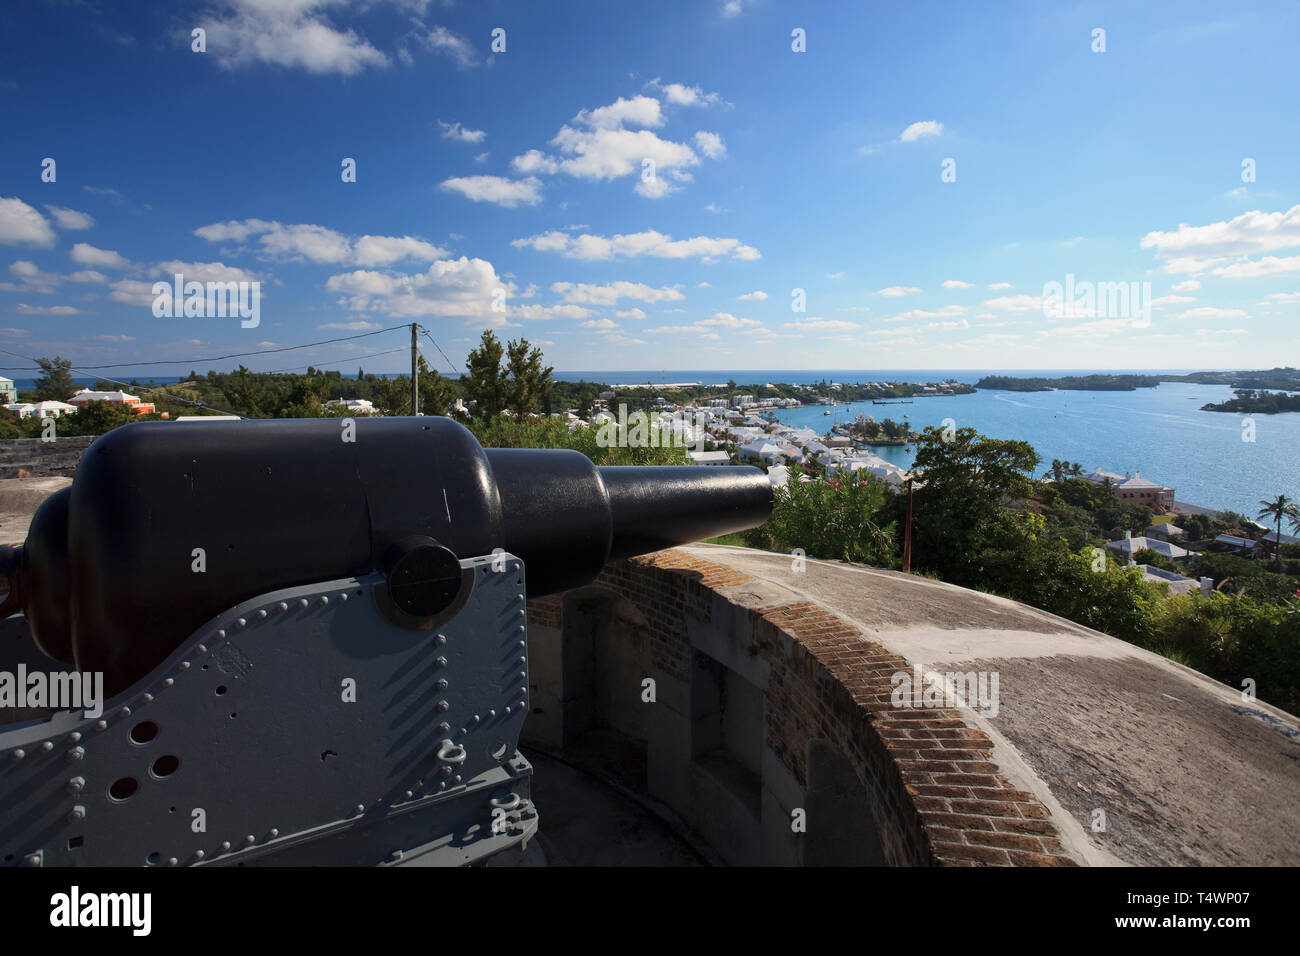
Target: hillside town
(743, 429)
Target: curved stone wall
(768, 729)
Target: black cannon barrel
(168, 523)
(658, 507)
(566, 517)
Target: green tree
(966, 479)
(305, 397)
(55, 382)
(437, 394)
(94, 419)
(393, 395)
(839, 519)
(529, 383)
(246, 395)
(486, 385)
(1281, 507)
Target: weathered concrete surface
(585, 821)
(19, 499)
(1183, 771)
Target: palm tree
(1283, 507)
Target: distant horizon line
(1086, 368)
(728, 371)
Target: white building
(42, 409)
(1129, 544)
(1176, 583)
(764, 450)
(358, 406)
(779, 476)
(708, 457)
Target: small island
(1257, 402)
(1090, 383)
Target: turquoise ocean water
(1160, 431)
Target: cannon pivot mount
(303, 727)
(312, 644)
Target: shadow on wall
(683, 720)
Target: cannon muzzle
(168, 524)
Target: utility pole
(415, 380)
(907, 532)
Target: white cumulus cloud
(20, 224)
(294, 34)
(87, 255)
(497, 189)
(649, 243)
(611, 292)
(460, 134)
(71, 219)
(921, 130)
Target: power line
(88, 369)
(450, 365)
(280, 371)
(143, 388)
(219, 358)
(215, 358)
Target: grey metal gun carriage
(312, 636)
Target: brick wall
(937, 794)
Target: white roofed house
(52, 410)
(7, 391)
(1232, 542)
(708, 457)
(1177, 583)
(674, 430)
(1130, 545)
(358, 406)
(1099, 477)
(1271, 539)
(779, 476)
(764, 450)
(872, 464)
(1165, 531)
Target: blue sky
(519, 179)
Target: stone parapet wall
(925, 778)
